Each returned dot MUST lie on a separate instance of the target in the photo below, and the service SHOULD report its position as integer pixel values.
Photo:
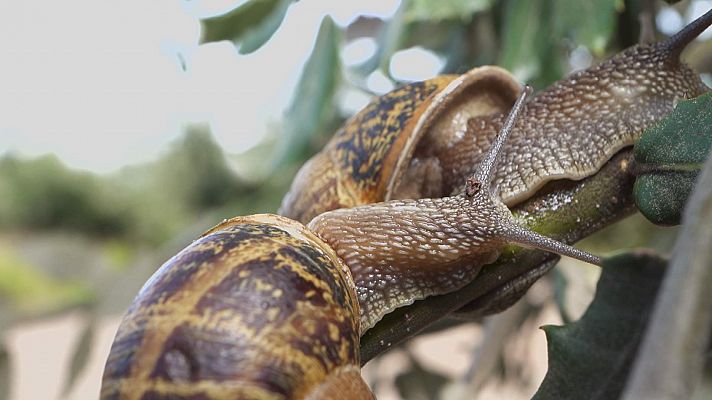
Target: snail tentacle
(485, 170)
(405, 250)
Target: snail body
(567, 131)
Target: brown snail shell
(369, 155)
(217, 319)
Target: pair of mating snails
(266, 307)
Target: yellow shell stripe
(220, 295)
(367, 148)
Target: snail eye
(472, 187)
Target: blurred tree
(44, 193)
(196, 171)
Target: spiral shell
(258, 307)
(366, 159)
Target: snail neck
(572, 128)
(405, 250)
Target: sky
(101, 84)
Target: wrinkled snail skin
(425, 139)
(406, 250)
(569, 130)
(258, 308)
(563, 210)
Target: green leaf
(527, 45)
(390, 38)
(312, 105)
(250, 25)
(670, 361)
(669, 157)
(439, 26)
(591, 358)
(590, 23)
(561, 284)
(426, 10)
(532, 50)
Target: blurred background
(128, 128)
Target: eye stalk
(404, 250)
(485, 171)
(507, 227)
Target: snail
(424, 139)
(264, 307)
(258, 308)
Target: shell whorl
(258, 307)
(351, 168)
(366, 158)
